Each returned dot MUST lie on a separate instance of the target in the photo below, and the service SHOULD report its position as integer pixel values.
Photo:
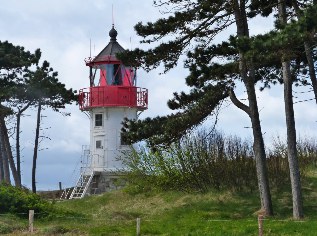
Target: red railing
(113, 96)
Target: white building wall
(105, 139)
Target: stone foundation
(105, 182)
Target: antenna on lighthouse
(112, 17)
(90, 47)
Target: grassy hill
(173, 213)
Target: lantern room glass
(116, 74)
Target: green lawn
(175, 213)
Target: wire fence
(259, 221)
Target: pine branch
(237, 103)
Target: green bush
(19, 201)
(198, 163)
(204, 161)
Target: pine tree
(46, 91)
(13, 60)
(296, 25)
(194, 25)
(22, 87)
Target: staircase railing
(82, 185)
(85, 161)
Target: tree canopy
(191, 30)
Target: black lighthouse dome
(113, 34)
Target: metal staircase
(82, 185)
(65, 194)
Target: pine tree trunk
(4, 160)
(36, 145)
(1, 166)
(1, 161)
(249, 82)
(259, 151)
(6, 168)
(290, 126)
(17, 145)
(291, 143)
(8, 152)
(9, 155)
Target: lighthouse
(111, 97)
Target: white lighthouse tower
(111, 97)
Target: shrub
(204, 161)
(197, 163)
(16, 200)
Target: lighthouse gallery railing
(113, 96)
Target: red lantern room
(112, 84)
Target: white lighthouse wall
(105, 137)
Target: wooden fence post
(31, 220)
(138, 226)
(260, 223)
(60, 186)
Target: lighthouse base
(105, 182)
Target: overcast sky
(63, 30)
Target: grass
(175, 213)
(11, 223)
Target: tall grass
(204, 161)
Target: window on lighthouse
(98, 120)
(99, 144)
(113, 74)
(123, 140)
(117, 80)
